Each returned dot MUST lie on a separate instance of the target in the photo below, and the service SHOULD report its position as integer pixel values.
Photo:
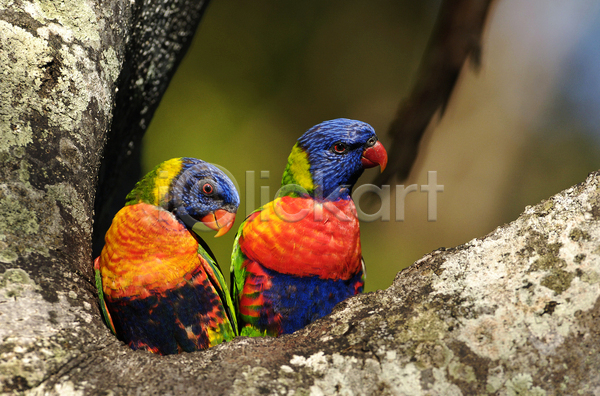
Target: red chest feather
(302, 237)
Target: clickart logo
(430, 190)
(319, 207)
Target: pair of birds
(293, 259)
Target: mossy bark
(515, 312)
(79, 82)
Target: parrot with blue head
(160, 286)
(298, 256)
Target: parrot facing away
(159, 284)
(298, 256)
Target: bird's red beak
(374, 155)
(220, 220)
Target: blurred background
(522, 128)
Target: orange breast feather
(147, 251)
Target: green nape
(297, 171)
(153, 188)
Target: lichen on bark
(56, 102)
(61, 77)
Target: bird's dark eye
(339, 148)
(207, 188)
(371, 142)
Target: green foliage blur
(261, 73)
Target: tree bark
(79, 83)
(515, 312)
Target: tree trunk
(516, 312)
(79, 83)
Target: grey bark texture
(516, 312)
(79, 83)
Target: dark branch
(455, 38)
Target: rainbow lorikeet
(298, 256)
(159, 284)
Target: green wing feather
(237, 272)
(222, 288)
(105, 312)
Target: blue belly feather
(163, 320)
(302, 300)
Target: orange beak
(374, 155)
(220, 220)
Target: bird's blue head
(202, 192)
(193, 190)
(330, 157)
